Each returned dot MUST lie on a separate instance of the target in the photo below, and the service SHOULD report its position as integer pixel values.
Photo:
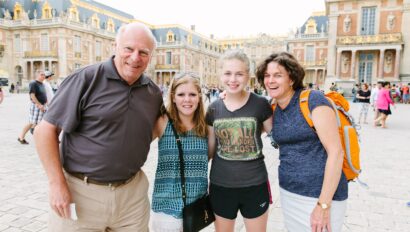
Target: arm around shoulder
(211, 142)
(159, 128)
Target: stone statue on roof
(7, 14)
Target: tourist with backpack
(313, 189)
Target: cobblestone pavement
(381, 208)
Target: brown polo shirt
(107, 124)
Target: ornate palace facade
(56, 35)
(353, 41)
(309, 44)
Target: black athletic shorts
(252, 201)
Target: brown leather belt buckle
(91, 181)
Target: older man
(107, 112)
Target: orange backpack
(347, 130)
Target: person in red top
(405, 89)
(1, 95)
(383, 104)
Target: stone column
(405, 31)
(62, 50)
(33, 72)
(26, 71)
(397, 64)
(381, 64)
(353, 66)
(332, 37)
(338, 57)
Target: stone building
(180, 49)
(367, 41)
(351, 42)
(309, 45)
(256, 47)
(55, 35)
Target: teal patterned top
(167, 195)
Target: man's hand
(60, 199)
(41, 107)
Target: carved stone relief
(388, 62)
(298, 55)
(345, 63)
(347, 23)
(391, 21)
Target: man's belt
(86, 179)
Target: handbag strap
(181, 160)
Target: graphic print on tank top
(237, 138)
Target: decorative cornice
(370, 39)
(100, 10)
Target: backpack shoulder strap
(273, 104)
(304, 106)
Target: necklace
(284, 102)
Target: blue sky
(223, 18)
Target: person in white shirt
(47, 86)
(373, 98)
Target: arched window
(311, 27)
(110, 25)
(170, 36)
(189, 39)
(95, 21)
(73, 14)
(46, 11)
(18, 9)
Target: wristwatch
(324, 206)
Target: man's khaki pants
(102, 208)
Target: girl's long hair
(200, 128)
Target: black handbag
(198, 214)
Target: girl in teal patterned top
(185, 107)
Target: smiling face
(133, 52)
(186, 99)
(277, 81)
(235, 76)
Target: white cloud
(223, 17)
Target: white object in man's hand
(73, 212)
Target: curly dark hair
(291, 65)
